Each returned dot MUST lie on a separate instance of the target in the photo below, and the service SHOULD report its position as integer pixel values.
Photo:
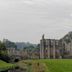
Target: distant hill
(18, 45)
(21, 45)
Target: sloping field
(5, 66)
(49, 65)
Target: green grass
(53, 65)
(58, 65)
(5, 66)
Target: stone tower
(42, 47)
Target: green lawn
(58, 65)
(51, 65)
(5, 66)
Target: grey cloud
(23, 22)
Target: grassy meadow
(5, 66)
(43, 65)
(47, 65)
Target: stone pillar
(41, 50)
(71, 48)
(48, 50)
(54, 50)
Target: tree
(3, 52)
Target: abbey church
(56, 49)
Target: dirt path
(38, 67)
(32, 66)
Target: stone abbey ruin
(56, 49)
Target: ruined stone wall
(49, 48)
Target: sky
(28, 20)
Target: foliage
(9, 44)
(5, 58)
(3, 53)
(2, 46)
(3, 50)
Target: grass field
(58, 65)
(5, 66)
(64, 65)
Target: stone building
(67, 45)
(52, 48)
(49, 48)
(11, 51)
(17, 53)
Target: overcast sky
(27, 20)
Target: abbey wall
(56, 49)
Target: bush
(5, 58)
